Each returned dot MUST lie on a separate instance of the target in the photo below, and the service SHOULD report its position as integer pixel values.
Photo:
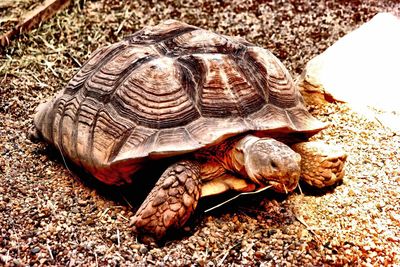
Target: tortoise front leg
(170, 203)
(321, 164)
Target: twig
(104, 213)
(126, 200)
(33, 18)
(95, 257)
(308, 227)
(301, 191)
(40, 83)
(49, 65)
(123, 217)
(48, 45)
(74, 59)
(118, 239)
(226, 253)
(120, 27)
(244, 193)
(51, 253)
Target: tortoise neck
(234, 158)
(229, 156)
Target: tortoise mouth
(284, 184)
(282, 187)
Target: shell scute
(153, 96)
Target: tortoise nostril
(274, 165)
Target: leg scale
(170, 203)
(322, 165)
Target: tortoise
(223, 110)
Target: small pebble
(143, 249)
(35, 250)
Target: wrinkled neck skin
(234, 159)
(227, 157)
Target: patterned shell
(167, 90)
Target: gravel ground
(50, 216)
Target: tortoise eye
(273, 164)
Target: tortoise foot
(322, 165)
(170, 203)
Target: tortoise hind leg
(322, 165)
(170, 203)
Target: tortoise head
(270, 162)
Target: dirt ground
(50, 216)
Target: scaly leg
(170, 203)
(321, 164)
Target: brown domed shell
(168, 90)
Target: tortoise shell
(168, 90)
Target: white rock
(362, 68)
